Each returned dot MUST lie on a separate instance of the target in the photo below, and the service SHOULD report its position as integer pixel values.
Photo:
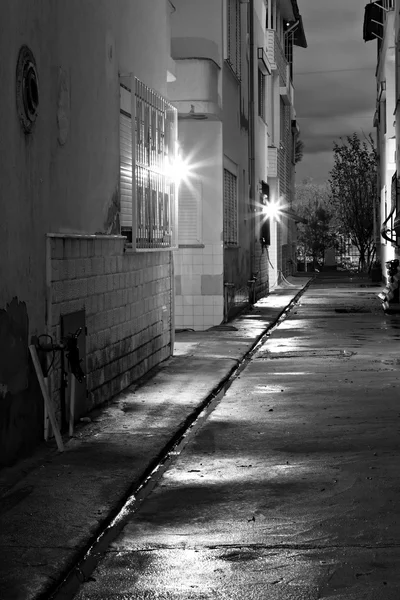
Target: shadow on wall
(21, 405)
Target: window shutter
(230, 209)
(125, 130)
(190, 215)
(234, 36)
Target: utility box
(71, 324)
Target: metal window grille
(230, 209)
(154, 186)
(234, 37)
(261, 95)
(388, 4)
(395, 210)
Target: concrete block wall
(199, 299)
(127, 300)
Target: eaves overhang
(287, 10)
(373, 22)
(299, 34)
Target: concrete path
(54, 506)
(289, 490)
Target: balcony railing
(272, 161)
(276, 56)
(390, 230)
(195, 91)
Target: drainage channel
(84, 566)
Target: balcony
(195, 91)
(272, 161)
(287, 93)
(276, 56)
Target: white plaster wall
(261, 129)
(199, 270)
(387, 73)
(197, 25)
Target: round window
(27, 89)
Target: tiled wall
(199, 299)
(127, 300)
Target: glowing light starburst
(272, 209)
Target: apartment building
(381, 24)
(237, 129)
(88, 198)
(94, 94)
(284, 32)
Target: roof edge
(299, 34)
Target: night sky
(334, 81)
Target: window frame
(233, 22)
(195, 188)
(153, 226)
(262, 95)
(230, 216)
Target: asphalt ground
(57, 509)
(288, 490)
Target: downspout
(252, 141)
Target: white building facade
(236, 122)
(381, 24)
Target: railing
(272, 161)
(388, 4)
(390, 230)
(156, 123)
(276, 56)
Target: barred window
(148, 192)
(234, 37)
(388, 4)
(230, 209)
(261, 95)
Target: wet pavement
(59, 512)
(288, 490)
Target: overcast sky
(334, 80)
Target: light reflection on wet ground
(290, 489)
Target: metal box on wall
(71, 324)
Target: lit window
(148, 186)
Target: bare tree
(353, 187)
(315, 234)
